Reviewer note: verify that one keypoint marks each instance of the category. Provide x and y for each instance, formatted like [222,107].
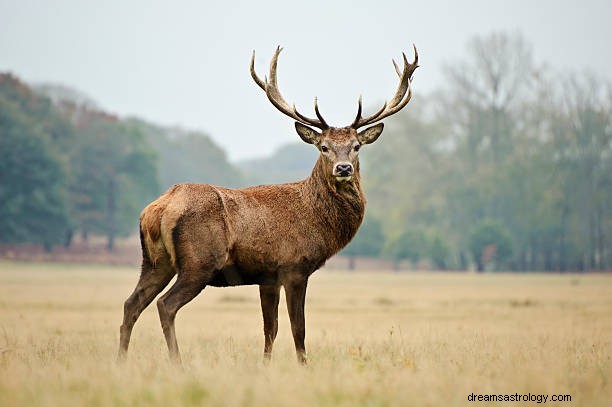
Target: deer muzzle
[343,171]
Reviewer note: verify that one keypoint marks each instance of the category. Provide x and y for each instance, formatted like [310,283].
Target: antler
[398,101]
[274,95]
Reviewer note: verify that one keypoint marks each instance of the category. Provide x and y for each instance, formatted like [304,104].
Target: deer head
[339,146]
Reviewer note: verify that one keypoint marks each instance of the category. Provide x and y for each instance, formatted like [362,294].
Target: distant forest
[68,167]
[508,166]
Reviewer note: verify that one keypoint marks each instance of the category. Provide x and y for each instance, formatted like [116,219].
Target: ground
[373,338]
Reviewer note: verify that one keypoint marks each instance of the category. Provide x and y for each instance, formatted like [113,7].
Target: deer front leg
[295,292]
[269,296]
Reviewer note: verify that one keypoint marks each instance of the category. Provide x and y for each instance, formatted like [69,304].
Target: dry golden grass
[374,339]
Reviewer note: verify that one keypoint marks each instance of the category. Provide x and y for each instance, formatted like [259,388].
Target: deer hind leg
[153,279]
[269,296]
[200,248]
[295,292]
[184,290]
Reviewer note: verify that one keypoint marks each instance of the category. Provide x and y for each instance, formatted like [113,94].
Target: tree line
[508,166]
[69,167]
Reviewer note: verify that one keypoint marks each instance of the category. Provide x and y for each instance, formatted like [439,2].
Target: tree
[115,177]
[410,245]
[287,163]
[187,156]
[367,242]
[33,185]
[490,243]
[582,138]
[403,176]
[485,91]
[438,251]
[501,166]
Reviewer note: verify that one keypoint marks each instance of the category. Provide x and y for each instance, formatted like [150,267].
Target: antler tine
[316,107]
[309,120]
[399,73]
[359,121]
[399,100]
[258,81]
[358,117]
[403,85]
[271,88]
[415,63]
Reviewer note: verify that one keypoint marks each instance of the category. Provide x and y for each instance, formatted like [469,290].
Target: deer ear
[307,134]
[370,134]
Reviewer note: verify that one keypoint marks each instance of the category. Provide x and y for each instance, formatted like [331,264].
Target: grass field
[374,339]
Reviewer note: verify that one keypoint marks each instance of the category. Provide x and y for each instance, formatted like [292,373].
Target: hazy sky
[187,62]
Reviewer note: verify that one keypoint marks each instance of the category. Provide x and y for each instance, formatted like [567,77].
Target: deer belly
[232,275]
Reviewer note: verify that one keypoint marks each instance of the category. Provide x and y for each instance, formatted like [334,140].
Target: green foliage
[489,242]
[369,239]
[185,156]
[438,251]
[69,167]
[33,180]
[288,163]
[115,177]
[417,244]
[501,141]
[402,169]
[527,150]
[410,245]
[92,175]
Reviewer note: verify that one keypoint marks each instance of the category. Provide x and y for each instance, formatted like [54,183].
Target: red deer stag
[271,235]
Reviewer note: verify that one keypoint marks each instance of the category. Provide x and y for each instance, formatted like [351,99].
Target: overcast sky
[186,63]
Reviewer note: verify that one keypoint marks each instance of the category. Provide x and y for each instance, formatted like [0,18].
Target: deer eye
[357,147]
[324,149]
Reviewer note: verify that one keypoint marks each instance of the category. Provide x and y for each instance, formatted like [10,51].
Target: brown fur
[272,235]
[256,232]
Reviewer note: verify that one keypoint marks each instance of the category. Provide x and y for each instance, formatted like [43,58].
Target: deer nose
[344,169]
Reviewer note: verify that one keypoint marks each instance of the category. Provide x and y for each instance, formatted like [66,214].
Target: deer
[272,236]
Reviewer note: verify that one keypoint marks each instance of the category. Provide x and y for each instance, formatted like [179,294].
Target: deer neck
[339,205]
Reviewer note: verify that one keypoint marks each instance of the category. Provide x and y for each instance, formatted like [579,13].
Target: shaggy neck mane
[340,206]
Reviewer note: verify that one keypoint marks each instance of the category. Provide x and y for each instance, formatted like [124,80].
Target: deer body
[271,235]
[249,236]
